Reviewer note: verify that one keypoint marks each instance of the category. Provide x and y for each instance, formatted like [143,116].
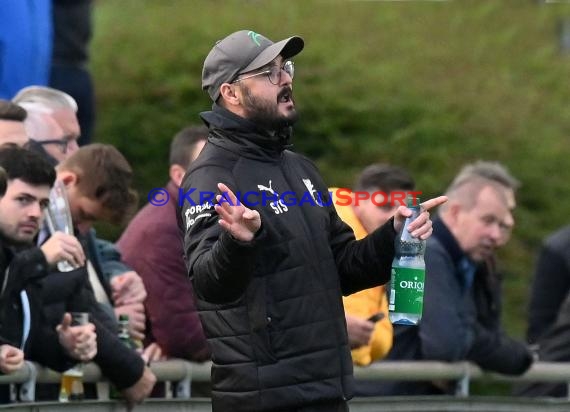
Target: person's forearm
[222,273]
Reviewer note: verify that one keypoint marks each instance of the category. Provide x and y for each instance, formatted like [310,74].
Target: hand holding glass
[58,217]
[71,386]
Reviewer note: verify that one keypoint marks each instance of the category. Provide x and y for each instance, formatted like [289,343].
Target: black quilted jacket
[271,308]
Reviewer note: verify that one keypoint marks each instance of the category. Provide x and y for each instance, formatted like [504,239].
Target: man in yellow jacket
[368,206]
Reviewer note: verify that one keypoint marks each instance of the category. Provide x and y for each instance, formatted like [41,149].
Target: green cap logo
[253,35]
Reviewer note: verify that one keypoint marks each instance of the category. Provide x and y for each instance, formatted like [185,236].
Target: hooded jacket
[271,308]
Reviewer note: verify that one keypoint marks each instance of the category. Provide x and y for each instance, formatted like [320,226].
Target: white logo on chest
[314,194]
[274,199]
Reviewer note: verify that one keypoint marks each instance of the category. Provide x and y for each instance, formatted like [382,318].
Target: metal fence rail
[182,374]
[464,372]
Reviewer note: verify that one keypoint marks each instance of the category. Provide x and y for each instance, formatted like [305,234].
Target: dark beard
[265,114]
[15,244]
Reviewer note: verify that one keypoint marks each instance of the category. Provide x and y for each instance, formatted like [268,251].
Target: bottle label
[407,290]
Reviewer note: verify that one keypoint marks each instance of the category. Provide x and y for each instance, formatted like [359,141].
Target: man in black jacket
[22,266]
[270,267]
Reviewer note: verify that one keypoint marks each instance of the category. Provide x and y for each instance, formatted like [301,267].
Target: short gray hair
[44,99]
[493,171]
[473,177]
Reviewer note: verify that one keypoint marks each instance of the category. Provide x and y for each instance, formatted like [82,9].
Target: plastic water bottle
[406,291]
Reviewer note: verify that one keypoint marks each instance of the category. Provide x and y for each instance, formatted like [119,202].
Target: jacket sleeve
[493,350]
[110,259]
[361,264]
[43,343]
[445,331]
[219,266]
[45,349]
[120,364]
[30,267]
[364,263]
[554,342]
[170,300]
[27,266]
[550,286]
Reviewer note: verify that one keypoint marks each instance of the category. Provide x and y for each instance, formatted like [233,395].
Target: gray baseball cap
[241,52]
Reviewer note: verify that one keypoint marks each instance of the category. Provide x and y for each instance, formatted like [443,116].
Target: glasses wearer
[273,73]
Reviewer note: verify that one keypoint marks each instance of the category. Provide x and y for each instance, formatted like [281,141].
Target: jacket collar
[466,269]
[443,235]
[224,124]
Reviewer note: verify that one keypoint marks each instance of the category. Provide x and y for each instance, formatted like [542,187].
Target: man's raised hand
[241,222]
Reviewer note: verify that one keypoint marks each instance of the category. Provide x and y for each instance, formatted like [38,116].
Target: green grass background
[423,84]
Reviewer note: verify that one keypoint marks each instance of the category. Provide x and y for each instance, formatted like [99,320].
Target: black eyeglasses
[273,73]
[63,143]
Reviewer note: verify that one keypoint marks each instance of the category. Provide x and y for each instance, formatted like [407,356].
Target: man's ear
[230,94]
[67,177]
[453,211]
[176,173]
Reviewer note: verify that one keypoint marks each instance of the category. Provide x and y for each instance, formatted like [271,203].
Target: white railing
[182,373]
[464,372]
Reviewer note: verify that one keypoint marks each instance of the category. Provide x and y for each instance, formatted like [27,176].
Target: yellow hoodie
[366,302]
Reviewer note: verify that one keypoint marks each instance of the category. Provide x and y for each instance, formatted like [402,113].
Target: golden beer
[71,388]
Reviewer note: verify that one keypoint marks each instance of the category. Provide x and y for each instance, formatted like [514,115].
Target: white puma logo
[277,204]
[267,189]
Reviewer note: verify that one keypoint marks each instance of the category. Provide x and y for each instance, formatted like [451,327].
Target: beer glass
[58,217]
[71,388]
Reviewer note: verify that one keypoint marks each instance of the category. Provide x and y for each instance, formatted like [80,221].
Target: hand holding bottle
[137,319]
[421,227]
[406,288]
